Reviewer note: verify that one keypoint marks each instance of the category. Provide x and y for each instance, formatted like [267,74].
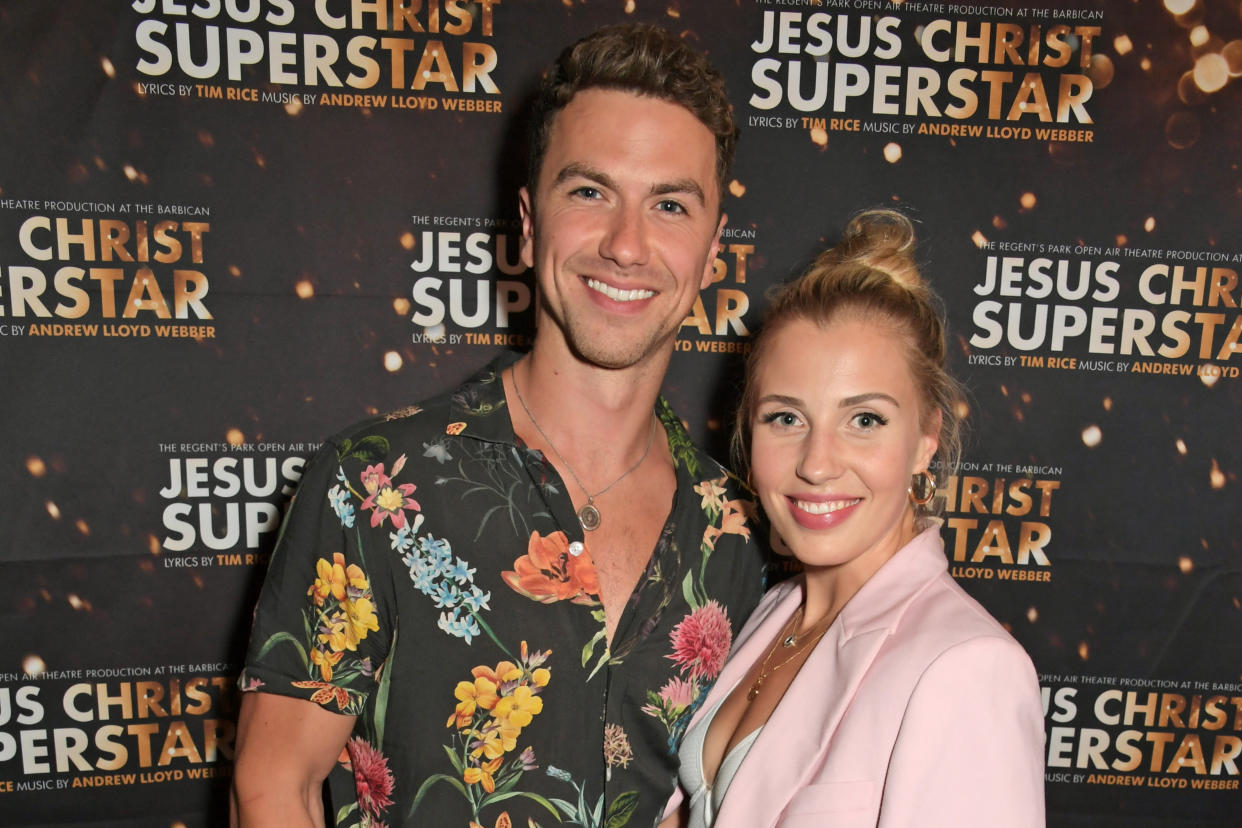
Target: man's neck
[593,416]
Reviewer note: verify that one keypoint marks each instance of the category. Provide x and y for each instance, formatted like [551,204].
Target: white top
[705,799]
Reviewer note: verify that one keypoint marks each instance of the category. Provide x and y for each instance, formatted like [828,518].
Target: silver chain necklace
[588,514]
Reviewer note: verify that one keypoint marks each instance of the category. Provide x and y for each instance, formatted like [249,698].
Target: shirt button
[576,548]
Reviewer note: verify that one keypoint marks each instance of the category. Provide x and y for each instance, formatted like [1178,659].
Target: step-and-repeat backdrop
[230,227]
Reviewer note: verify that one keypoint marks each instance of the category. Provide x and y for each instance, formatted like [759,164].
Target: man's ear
[709,267]
[527,210]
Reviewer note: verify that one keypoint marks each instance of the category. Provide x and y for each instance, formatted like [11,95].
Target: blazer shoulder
[944,616]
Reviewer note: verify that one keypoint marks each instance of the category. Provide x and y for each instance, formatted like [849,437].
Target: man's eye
[670,206]
[585,192]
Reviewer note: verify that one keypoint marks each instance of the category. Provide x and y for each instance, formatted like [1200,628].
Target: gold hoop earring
[922,488]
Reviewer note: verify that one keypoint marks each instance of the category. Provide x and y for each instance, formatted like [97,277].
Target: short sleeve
[321,630]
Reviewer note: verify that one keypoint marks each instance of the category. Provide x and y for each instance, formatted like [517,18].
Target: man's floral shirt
[424,583]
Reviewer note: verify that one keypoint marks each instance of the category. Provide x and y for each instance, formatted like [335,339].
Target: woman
[871,689]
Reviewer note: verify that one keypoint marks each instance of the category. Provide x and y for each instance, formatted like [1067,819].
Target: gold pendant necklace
[588,513]
[808,638]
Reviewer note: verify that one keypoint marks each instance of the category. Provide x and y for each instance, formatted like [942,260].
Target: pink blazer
[915,709]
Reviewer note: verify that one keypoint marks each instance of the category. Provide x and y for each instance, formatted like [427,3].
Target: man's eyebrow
[576,170]
[682,185]
[687,186]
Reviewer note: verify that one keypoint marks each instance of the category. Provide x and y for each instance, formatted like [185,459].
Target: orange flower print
[505,671]
[725,517]
[733,518]
[326,693]
[548,573]
[502,821]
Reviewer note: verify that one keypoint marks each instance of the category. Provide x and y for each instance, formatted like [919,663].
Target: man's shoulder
[450,412]
[414,418]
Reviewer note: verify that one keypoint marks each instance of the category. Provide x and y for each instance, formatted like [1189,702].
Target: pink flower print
[678,693]
[701,641]
[372,778]
[373,478]
[391,502]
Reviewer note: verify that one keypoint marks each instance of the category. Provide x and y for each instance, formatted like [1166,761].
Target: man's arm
[285,749]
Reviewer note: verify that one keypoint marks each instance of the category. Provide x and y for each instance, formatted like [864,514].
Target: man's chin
[613,356]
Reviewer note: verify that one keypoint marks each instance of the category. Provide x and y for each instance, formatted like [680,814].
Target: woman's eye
[869,420]
[782,418]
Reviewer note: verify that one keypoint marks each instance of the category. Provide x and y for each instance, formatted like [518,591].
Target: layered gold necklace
[790,639]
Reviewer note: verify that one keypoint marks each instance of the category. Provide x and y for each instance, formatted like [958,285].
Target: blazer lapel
[791,747]
[789,752]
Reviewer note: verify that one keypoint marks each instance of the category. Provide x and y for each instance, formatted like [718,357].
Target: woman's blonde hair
[871,273]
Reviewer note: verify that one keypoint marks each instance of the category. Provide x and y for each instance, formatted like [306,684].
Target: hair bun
[882,240]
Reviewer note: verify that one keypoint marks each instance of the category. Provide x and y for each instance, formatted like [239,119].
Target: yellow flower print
[361,621]
[519,708]
[483,773]
[332,578]
[356,577]
[495,740]
[492,708]
[472,695]
[390,499]
[325,661]
[336,636]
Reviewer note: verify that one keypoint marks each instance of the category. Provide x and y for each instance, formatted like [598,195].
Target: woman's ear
[929,442]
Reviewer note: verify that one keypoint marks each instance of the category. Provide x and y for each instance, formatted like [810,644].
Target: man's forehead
[585,129]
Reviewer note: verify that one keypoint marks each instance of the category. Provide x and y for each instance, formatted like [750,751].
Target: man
[500,607]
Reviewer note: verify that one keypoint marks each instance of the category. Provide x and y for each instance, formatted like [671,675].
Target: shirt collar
[478,409]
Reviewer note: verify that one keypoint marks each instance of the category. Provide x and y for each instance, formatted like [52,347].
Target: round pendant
[589,517]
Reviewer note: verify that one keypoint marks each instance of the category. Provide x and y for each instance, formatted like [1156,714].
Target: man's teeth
[821,507]
[619,295]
